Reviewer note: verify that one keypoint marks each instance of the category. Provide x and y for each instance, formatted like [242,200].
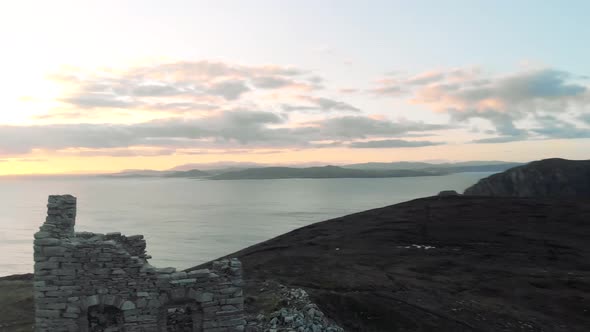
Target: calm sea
[187,222]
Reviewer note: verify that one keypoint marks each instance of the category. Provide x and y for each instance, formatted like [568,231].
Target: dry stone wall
[103,282]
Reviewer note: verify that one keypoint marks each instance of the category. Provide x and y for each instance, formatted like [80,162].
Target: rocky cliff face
[544,178]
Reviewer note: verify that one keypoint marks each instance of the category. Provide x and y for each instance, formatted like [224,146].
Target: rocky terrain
[277,308]
[544,178]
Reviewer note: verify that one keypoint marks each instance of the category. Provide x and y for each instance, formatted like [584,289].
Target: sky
[102,86]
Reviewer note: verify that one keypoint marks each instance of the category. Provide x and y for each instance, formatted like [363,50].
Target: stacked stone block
[76,273]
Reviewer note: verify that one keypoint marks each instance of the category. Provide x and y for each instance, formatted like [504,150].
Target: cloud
[348,90]
[229,90]
[392,143]
[183,106]
[205,105]
[553,127]
[158,85]
[330,104]
[204,69]
[541,85]
[231,129]
[499,139]
[352,127]
[94,100]
[315,79]
[426,78]
[155,90]
[235,126]
[466,89]
[272,82]
[322,104]
[545,127]
[503,122]
[524,96]
[534,90]
[117,152]
[397,84]
[389,88]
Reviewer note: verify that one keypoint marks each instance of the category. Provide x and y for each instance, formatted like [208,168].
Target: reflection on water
[188,222]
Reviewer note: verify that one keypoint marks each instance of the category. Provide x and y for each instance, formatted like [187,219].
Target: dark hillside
[441,264]
[544,178]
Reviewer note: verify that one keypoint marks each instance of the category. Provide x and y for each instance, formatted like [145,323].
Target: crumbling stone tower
[93,282]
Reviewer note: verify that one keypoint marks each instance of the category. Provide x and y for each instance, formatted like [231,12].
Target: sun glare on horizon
[197,85]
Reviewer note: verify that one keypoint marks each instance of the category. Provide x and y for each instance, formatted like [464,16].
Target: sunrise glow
[83,97]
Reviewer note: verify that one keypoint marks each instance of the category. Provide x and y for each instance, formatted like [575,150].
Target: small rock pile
[299,314]
[180,319]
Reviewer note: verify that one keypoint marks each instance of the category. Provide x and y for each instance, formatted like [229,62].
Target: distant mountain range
[364,170]
[193,173]
[469,166]
[324,172]
[137,173]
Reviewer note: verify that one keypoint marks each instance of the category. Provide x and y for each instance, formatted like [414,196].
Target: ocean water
[187,222]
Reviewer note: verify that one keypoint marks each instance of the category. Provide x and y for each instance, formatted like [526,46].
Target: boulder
[446,193]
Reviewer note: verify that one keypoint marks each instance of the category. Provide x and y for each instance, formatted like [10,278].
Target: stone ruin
[93,282]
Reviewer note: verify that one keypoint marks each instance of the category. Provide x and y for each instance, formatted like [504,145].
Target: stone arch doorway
[183,315]
[104,318]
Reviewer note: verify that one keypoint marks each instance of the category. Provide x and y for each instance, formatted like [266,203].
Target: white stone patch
[417,246]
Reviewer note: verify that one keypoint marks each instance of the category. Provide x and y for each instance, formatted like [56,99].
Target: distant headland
[364,170]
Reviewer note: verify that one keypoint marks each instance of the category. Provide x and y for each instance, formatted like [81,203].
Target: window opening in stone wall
[105,318]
